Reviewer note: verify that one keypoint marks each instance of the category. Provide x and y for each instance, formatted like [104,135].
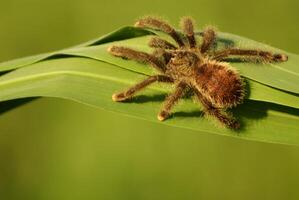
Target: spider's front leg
[218,113]
[264,55]
[156,23]
[139,86]
[142,57]
[171,100]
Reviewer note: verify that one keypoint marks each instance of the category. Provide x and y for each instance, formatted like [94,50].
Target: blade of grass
[92,82]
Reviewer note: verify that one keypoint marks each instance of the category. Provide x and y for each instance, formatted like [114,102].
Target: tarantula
[192,68]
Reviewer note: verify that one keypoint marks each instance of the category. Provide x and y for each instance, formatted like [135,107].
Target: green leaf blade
[90,75]
[92,82]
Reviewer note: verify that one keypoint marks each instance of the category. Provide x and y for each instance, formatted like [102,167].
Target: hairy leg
[139,86]
[171,100]
[187,25]
[161,53]
[156,42]
[265,55]
[209,37]
[128,53]
[219,114]
[155,23]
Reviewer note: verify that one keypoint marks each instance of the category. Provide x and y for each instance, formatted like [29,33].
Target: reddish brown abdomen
[221,85]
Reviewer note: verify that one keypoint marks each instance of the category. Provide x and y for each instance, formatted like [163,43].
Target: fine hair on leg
[171,100]
[209,37]
[156,42]
[142,57]
[187,26]
[218,113]
[156,23]
[139,86]
[264,55]
[162,53]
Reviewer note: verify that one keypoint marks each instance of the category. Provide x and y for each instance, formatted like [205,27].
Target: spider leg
[209,37]
[156,42]
[171,100]
[155,23]
[265,55]
[164,54]
[218,113]
[139,86]
[187,25]
[138,56]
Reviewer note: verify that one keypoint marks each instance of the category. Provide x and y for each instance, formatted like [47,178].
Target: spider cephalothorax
[192,68]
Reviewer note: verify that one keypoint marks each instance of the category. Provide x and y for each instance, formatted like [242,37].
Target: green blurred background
[58,149]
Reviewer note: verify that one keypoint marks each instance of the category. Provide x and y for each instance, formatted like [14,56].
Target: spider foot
[119,97]
[234,124]
[224,118]
[280,57]
[163,115]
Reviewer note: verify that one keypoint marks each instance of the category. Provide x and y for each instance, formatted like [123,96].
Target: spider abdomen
[220,84]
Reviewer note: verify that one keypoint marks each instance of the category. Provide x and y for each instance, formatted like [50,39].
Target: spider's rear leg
[264,55]
[139,86]
[155,23]
[209,38]
[143,57]
[218,113]
[187,25]
[171,100]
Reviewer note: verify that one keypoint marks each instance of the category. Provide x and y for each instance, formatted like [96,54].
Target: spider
[193,69]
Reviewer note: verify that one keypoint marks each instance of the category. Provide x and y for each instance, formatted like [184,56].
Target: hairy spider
[192,68]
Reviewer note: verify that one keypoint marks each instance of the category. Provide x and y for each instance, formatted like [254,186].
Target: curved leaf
[92,82]
[87,77]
